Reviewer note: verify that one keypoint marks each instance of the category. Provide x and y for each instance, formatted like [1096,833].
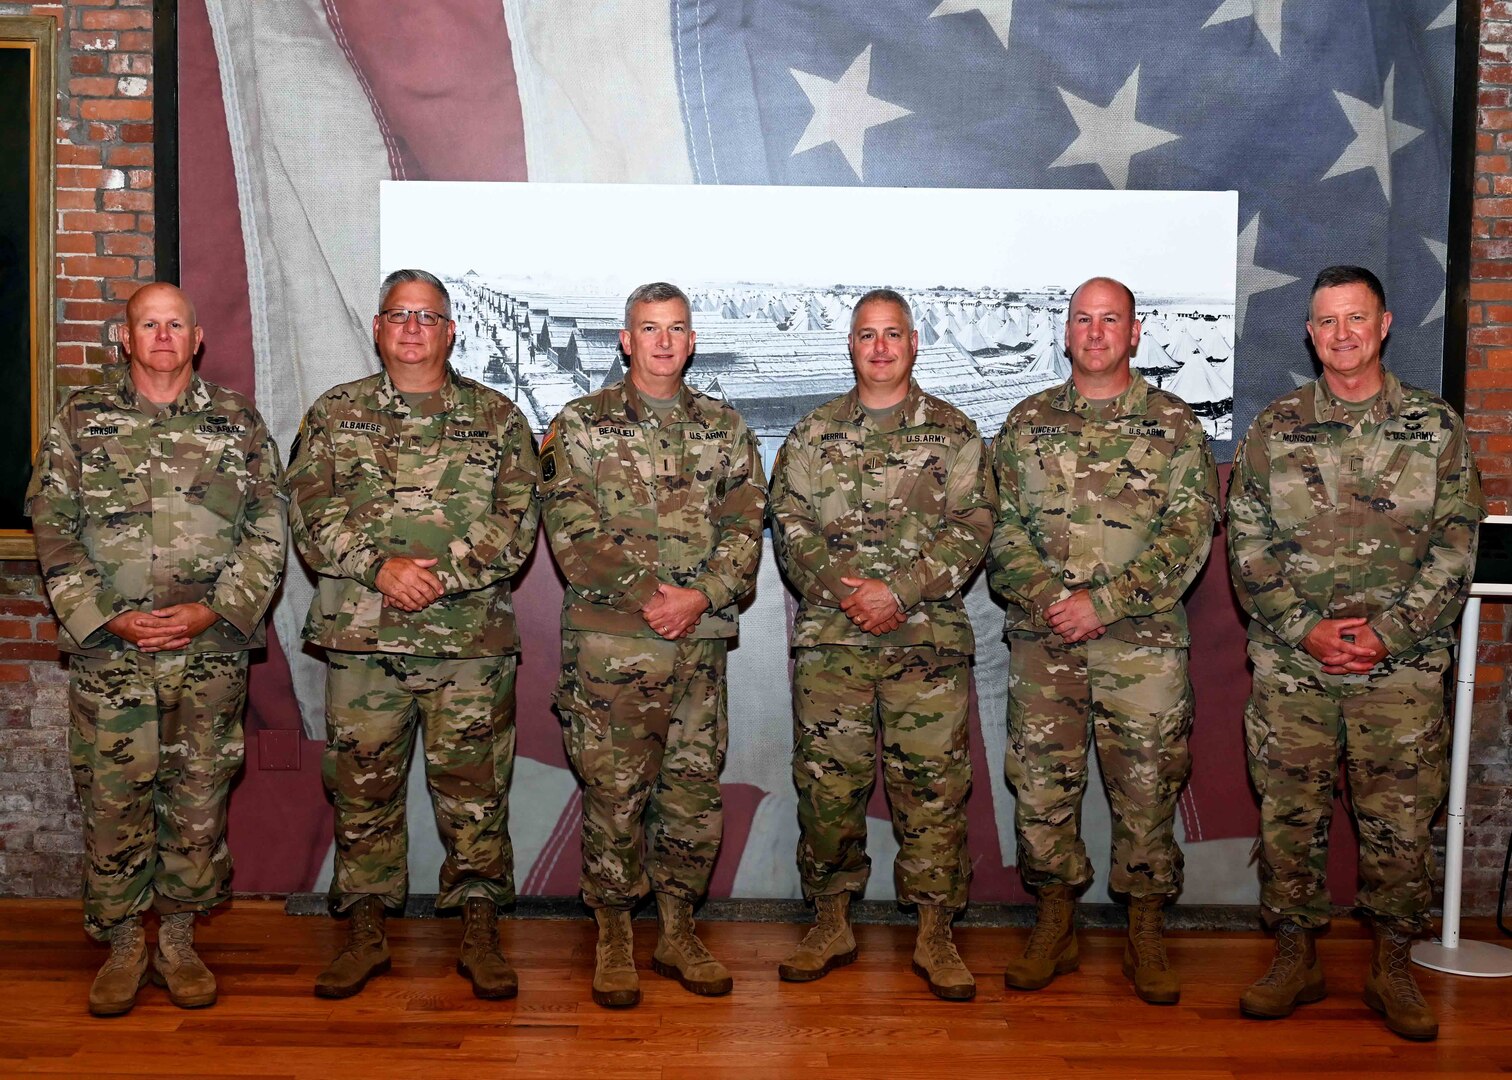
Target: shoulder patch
[549,467]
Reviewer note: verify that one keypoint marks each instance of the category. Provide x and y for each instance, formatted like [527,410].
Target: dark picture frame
[28,119]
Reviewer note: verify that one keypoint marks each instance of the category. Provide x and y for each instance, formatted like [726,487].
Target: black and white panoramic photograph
[539,274]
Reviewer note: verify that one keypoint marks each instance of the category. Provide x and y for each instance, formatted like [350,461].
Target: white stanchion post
[1450,954]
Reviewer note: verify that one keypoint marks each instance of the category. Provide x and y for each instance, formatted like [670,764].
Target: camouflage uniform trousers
[646,727]
[918,698]
[1137,701]
[154,740]
[466,712]
[1391,727]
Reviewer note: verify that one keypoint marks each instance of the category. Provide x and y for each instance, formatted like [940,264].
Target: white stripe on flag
[597,92]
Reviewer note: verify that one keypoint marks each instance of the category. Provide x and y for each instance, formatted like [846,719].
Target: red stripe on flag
[441,82]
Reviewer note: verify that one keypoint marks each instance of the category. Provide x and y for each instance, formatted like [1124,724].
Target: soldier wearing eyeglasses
[413,502]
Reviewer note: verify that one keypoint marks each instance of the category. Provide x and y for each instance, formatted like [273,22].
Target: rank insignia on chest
[549,466]
[360,425]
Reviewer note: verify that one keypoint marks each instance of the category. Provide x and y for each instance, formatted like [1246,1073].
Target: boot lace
[1053,913]
[480,930]
[176,936]
[126,941]
[828,925]
[1399,971]
[682,931]
[1291,954]
[941,949]
[1149,945]
[617,944]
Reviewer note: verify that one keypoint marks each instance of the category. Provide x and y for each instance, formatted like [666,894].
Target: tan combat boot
[1145,963]
[178,967]
[1052,947]
[680,955]
[1295,976]
[615,984]
[365,954]
[124,972]
[481,961]
[829,944]
[1390,990]
[935,959]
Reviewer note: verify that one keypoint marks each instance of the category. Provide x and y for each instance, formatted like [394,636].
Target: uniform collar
[1329,408]
[390,399]
[910,411]
[195,397]
[1132,402]
[685,408]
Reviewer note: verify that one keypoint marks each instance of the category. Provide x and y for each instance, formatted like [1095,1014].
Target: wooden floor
[873,1019]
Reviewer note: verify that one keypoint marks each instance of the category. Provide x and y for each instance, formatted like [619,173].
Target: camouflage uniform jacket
[135,510]
[632,501]
[371,479]
[1122,507]
[910,504]
[1329,519]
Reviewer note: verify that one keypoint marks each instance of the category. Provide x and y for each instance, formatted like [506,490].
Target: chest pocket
[837,485]
[110,483]
[358,465]
[915,480]
[471,472]
[1297,488]
[1140,481]
[1408,487]
[1045,479]
[219,484]
[622,474]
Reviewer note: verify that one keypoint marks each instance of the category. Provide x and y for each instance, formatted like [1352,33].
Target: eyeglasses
[403,315]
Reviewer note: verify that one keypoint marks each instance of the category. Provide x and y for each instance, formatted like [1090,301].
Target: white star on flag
[844,110]
[1253,279]
[1445,18]
[998,13]
[1378,135]
[1266,13]
[1109,137]
[1440,251]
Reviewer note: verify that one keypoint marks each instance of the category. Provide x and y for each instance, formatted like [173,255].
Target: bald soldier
[1106,497]
[160,528]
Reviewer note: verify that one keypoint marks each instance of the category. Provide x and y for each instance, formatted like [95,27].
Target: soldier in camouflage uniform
[160,530]
[653,496]
[414,502]
[1106,497]
[881,510]
[1353,511]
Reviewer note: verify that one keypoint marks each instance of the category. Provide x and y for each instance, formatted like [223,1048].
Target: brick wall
[1488,409]
[104,251]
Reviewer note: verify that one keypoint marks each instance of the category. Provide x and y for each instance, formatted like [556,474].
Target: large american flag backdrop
[1331,120]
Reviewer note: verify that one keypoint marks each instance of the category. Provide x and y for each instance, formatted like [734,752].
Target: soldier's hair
[404,277]
[1128,292]
[877,296]
[1333,276]
[656,292]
